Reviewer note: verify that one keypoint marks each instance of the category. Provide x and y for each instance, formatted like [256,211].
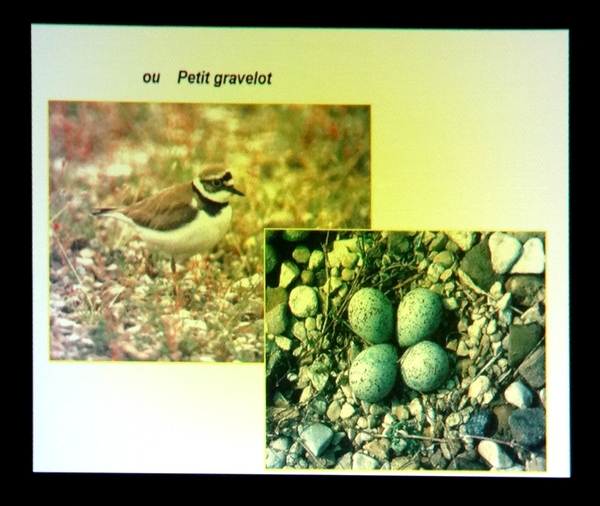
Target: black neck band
[211,207]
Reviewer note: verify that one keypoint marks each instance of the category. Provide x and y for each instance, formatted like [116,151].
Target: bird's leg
[174,269]
[149,264]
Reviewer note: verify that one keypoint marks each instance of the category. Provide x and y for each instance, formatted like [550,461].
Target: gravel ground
[489,411]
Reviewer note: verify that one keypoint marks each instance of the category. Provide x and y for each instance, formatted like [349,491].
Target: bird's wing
[166,210]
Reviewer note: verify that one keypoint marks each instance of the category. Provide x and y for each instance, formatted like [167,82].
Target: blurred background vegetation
[301,166]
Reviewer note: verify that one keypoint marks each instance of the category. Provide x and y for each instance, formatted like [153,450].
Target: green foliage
[400,443]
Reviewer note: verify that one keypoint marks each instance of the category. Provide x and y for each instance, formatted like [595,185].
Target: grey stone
[345,462]
[477,265]
[482,423]
[275,459]
[522,339]
[437,288]
[363,437]
[526,289]
[505,317]
[533,369]
[319,406]
[363,461]
[449,286]
[281,444]
[494,455]
[518,395]
[528,426]
[316,437]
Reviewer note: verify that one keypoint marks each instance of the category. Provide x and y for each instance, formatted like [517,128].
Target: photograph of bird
[183,220]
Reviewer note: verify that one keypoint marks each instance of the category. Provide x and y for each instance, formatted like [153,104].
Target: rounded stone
[303,302]
[482,423]
[373,372]
[316,260]
[307,277]
[446,258]
[504,250]
[371,315]
[532,260]
[301,254]
[518,395]
[528,426]
[424,366]
[419,316]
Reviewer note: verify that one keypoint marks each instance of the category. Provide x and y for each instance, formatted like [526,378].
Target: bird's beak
[233,189]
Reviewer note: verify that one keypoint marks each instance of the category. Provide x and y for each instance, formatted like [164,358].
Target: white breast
[198,236]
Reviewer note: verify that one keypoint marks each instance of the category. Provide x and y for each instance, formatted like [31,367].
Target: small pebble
[479,387]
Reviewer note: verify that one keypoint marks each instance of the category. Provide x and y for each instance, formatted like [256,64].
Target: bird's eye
[218,183]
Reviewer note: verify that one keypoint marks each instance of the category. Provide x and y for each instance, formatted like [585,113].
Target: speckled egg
[373,372]
[424,366]
[371,315]
[419,316]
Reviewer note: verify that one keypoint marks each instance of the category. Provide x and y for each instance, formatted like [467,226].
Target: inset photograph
[405,351]
[157,212]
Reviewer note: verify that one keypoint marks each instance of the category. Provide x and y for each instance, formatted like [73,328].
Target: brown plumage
[185,219]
